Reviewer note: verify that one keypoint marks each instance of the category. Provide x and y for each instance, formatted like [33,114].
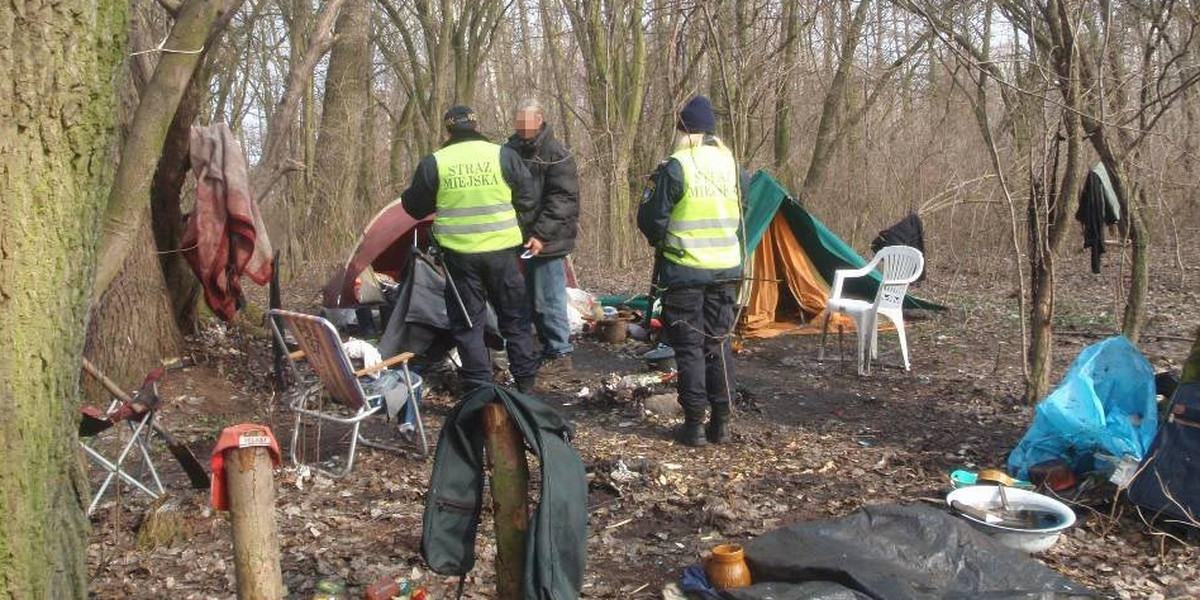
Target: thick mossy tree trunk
[57,64]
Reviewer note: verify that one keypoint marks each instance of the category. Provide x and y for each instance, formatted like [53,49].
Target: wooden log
[510,498]
[251,488]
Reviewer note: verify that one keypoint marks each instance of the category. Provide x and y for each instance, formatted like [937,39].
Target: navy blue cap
[460,118]
[697,116]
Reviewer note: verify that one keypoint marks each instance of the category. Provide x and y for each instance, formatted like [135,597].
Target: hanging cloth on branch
[225,237]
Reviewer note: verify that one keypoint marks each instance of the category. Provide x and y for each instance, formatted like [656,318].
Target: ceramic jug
[726,567]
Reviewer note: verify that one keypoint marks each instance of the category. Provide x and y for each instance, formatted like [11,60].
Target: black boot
[527,385]
[717,430]
[691,433]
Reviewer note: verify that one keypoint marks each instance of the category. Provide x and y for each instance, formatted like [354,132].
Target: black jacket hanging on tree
[1094,213]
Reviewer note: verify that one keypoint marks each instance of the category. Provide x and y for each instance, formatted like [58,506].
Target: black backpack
[1168,481]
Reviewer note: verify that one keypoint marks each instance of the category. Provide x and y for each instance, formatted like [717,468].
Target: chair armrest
[399,358]
[841,275]
[852,273]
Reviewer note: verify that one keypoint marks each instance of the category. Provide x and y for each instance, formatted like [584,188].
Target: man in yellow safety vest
[483,197]
[691,213]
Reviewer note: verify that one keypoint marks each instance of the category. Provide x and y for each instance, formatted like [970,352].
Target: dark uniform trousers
[480,278]
[698,320]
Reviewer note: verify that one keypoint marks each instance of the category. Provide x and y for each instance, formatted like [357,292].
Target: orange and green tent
[793,257]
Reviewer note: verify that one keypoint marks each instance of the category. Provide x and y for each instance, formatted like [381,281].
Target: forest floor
[812,440]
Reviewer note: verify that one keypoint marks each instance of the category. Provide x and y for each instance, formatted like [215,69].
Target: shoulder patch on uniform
[648,192]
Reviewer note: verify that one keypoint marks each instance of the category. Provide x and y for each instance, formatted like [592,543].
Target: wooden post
[251,487]
[510,499]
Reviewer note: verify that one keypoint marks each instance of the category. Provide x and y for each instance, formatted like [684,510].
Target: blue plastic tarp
[1105,404]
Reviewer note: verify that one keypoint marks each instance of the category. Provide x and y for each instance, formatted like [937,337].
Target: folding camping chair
[138,412]
[321,347]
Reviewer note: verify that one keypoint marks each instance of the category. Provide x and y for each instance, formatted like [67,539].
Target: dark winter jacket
[908,232]
[664,190]
[420,199]
[1095,211]
[556,542]
[555,178]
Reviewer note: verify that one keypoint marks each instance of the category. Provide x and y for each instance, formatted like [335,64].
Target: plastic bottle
[394,587]
[330,589]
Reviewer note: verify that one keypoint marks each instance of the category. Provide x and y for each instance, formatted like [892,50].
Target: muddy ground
[813,440]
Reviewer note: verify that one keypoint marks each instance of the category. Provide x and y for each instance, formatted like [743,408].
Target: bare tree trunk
[784,155]
[133,325]
[832,105]
[127,212]
[57,64]
[616,74]
[444,44]
[166,215]
[1050,208]
[562,87]
[324,223]
[837,120]
[274,161]
[1139,274]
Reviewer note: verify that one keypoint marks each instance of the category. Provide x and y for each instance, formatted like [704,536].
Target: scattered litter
[304,473]
[637,380]
[622,473]
[619,523]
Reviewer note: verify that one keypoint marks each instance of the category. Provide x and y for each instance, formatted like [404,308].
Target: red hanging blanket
[225,237]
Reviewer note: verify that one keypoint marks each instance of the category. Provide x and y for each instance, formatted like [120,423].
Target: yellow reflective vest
[474,203]
[702,231]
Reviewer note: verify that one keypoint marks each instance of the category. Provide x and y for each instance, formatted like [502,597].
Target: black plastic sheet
[894,552]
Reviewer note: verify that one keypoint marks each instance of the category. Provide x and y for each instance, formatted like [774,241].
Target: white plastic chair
[899,266]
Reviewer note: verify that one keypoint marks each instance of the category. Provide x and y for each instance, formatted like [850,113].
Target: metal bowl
[985,498]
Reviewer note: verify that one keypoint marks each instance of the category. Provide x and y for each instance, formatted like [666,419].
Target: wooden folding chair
[321,347]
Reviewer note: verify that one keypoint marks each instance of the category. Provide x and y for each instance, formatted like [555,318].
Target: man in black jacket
[484,199]
[554,223]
